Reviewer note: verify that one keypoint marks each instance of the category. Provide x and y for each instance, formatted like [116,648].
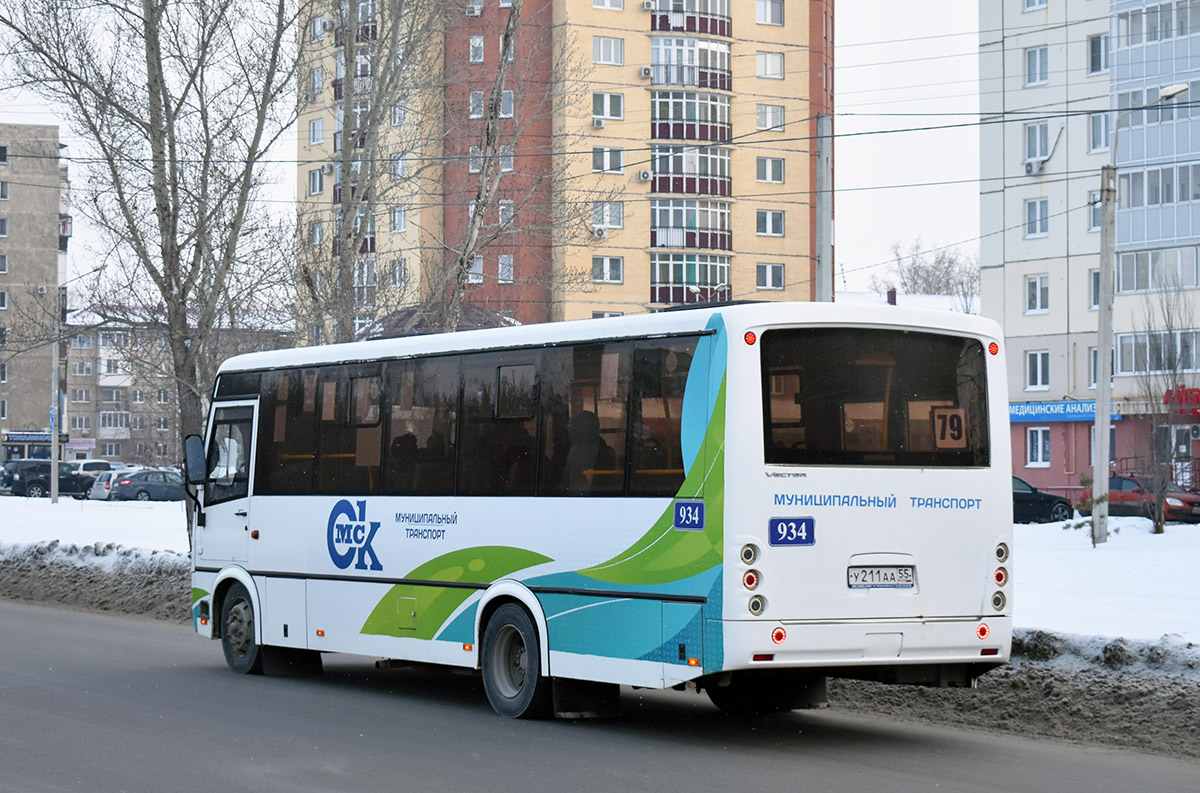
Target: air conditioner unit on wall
[644,176]
[647,5]
[327,168]
[598,123]
[1033,167]
[328,25]
[600,233]
[646,71]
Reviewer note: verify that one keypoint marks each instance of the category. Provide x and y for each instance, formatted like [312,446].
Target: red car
[1134,495]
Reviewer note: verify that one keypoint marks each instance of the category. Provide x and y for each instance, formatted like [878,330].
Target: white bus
[744,500]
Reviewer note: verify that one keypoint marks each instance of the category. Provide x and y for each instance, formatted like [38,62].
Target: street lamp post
[1101,444]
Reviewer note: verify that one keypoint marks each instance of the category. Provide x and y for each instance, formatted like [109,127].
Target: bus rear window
[859,396]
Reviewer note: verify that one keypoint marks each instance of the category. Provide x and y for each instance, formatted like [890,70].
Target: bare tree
[1165,348]
[179,103]
[942,271]
[478,163]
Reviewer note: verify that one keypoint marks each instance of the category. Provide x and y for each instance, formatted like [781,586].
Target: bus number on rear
[792,531]
[689,516]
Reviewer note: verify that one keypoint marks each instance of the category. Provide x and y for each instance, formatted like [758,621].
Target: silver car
[102,487]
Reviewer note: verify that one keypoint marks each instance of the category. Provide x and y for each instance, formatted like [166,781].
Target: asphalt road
[97,703]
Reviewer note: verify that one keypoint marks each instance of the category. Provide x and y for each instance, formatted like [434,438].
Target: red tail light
[108,485]
[124,482]
[983,631]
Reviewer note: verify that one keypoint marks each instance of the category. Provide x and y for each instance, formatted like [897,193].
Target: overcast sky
[903,58]
[891,58]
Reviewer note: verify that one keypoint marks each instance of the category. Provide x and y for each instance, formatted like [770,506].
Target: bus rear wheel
[512,673]
[242,653]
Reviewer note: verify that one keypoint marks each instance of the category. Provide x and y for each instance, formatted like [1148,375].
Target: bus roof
[640,325]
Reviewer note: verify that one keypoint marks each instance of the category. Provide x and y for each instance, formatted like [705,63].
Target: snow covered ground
[1139,586]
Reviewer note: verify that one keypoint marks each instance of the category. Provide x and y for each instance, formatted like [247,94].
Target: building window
[615,5]
[608,269]
[768,12]
[1037,294]
[1093,289]
[1037,370]
[139,396]
[1145,353]
[1093,366]
[1097,53]
[475,160]
[1037,447]
[476,47]
[1033,5]
[769,117]
[399,219]
[475,274]
[315,334]
[316,80]
[608,106]
[504,273]
[769,169]
[82,423]
[399,113]
[606,160]
[506,157]
[608,214]
[316,230]
[3,408]
[1112,444]
[1095,211]
[769,275]
[3,227]
[399,166]
[3,263]
[769,223]
[506,104]
[608,50]
[81,395]
[3,373]
[163,397]
[3,191]
[1037,217]
[162,423]
[1098,132]
[1037,141]
[505,213]
[475,109]
[398,272]
[1168,268]
[316,182]
[316,29]
[110,449]
[3,300]
[770,65]
[316,131]
[81,368]
[1037,66]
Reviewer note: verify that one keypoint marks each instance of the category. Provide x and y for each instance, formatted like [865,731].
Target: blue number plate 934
[792,531]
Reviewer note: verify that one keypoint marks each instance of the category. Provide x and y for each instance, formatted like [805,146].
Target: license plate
[898,577]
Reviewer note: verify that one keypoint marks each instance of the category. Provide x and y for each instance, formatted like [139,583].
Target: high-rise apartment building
[35,224]
[1066,86]
[650,154]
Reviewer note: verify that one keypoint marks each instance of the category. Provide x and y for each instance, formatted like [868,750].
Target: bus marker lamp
[990,651]
[757,605]
[763,657]
[998,601]
[750,337]
[320,633]
[749,553]
[779,635]
[693,662]
[1001,553]
[994,348]
[468,647]
[983,631]
[750,579]
[1000,576]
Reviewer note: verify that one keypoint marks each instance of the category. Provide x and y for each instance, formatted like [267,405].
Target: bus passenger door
[225,535]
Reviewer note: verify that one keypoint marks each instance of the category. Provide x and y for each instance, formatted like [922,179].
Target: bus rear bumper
[860,643]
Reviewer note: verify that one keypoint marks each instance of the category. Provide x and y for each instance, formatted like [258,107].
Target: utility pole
[1104,347]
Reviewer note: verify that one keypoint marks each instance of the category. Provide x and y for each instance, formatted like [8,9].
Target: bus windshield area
[859,396]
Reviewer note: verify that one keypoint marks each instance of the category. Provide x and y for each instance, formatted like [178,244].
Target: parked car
[32,478]
[102,487]
[1133,494]
[89,467]
[148,485]
[1031,505]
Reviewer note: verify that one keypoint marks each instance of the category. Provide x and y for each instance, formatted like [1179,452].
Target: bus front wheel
[242,653]
[512,673]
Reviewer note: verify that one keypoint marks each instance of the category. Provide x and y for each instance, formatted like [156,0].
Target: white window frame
[768,12]
[608,269]
[316,182]
[504,268]
[316,29]
[1037,370]
[399,113]
[475,274]
[475,105]
[506,104]
[769,222]
[769,65]
[316,232]
[770,117]
[608,51]
[1037,301]
[1095,211]
[475,48]
[768,276]
[316,131]
[1098,131]
[612,5]
[1037,447]
[1039,225]
[610,159]
[608,214]
[399,220]
[766,166]
[1093,289]
[398,272]
[606,100]
[1037,141]
[1037,66]
[474,159]
[1103,41]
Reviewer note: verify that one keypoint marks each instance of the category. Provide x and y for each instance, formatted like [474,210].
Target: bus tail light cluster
[752,578]
[1000,578]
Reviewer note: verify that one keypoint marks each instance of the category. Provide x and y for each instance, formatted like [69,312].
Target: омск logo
[350,535]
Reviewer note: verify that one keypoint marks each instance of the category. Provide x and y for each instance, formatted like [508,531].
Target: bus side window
[229,455]
[421,406]
[348,432]
[287,433]
[660,370]
[499,425]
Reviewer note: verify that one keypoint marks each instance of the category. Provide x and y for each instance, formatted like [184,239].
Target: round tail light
[757,605]
[983,631]
[779,635]
[750,338]
[751,579]
[1000,576]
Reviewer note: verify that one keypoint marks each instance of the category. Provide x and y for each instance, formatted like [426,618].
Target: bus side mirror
[193,460]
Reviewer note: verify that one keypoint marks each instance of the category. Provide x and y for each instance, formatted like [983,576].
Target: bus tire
[242,653]
[512,667]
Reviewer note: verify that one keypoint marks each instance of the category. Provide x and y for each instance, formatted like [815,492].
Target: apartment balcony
[368,245]
[691,184]
[368,31]
[339,89]
[680,294]
[710,132]
[114,380]
[691,22]
[707,239]
[691,76]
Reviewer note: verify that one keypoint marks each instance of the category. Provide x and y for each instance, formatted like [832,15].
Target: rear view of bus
[868,515]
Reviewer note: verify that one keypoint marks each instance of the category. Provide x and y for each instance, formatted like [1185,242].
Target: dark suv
[32,478]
